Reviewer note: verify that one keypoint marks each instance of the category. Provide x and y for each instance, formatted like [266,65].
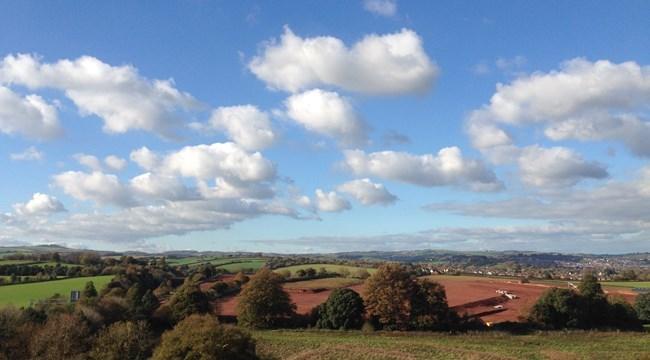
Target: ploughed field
[475,296]
[343,345]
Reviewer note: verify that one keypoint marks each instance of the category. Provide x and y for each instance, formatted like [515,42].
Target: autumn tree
[202,337]
[124,340]
[188,300]
[63,337]
[263,303]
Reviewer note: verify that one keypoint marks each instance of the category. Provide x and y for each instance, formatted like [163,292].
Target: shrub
[263,303]
[642,306]
[202,337]
[343,309]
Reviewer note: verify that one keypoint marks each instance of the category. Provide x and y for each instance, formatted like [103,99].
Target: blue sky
[303,126]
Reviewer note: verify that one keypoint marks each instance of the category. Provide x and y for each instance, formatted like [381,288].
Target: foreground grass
[325,345]
[23,294]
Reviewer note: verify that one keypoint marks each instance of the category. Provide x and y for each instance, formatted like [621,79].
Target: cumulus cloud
[30,116]
[30,154]
[145,158]
[115,163]
[38,205]
[330,201]
[367,192]
[246,125]
[448,167]
[386,8]
[104,189]
[89,161]
[378,64]
[119,95]
[157,186]
[556,167]
[327,113]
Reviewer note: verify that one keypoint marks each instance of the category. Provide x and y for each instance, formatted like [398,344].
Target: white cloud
[225,160]
[386,8]
[145,158]
[118,94]
[330,201]
[327,113]
[30,154]
[448,167]
[104,189]
[39,204]
[89,161]
[626,128]
[556,167]
[378,64]
[115,163]
[29,116]
[246,125]
[367,192]
[157,186]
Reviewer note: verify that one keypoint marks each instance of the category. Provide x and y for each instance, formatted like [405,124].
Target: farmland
[23,294]
[230,264]
[628,284]
[326,345]
[327,283]
[328,267]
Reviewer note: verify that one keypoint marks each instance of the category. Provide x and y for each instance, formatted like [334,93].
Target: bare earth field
[465,294]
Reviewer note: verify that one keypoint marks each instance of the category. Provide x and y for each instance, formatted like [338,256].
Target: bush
[343,309]
[263,303]
[124,340]
[202,337]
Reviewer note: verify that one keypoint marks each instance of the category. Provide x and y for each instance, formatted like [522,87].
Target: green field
[16,262]
[327,283]
[23,294]
[328,267]
[628,284]
[232,264]
[325,345]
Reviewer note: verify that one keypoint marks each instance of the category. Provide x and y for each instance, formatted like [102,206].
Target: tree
[241,278]
[89,291]
[188,300]
[15,333]
[361,274]
[429,307]
[263,303]
[594,303]
[62,337]
[642,306]
[343,309]
[389,293]
[558,309]
[124,340]
[201,337]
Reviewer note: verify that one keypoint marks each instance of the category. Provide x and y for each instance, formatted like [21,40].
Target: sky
[326,126]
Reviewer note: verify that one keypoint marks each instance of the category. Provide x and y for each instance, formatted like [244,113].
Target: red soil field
[474,296]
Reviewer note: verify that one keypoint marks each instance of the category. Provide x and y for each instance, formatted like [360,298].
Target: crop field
[628,284]
[243,264]
[334,345]
[327,283]
[328,267]
[23,294]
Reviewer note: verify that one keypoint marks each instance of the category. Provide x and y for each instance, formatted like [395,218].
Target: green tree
[89,291]
[188,300]
[558,309]
[344,309]
[202,337]
[642,306]
[429,307]
[263,303]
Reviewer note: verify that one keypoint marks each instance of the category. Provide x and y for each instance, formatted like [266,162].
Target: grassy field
[23,294]
[628,284]
[328,267]
[328,283]
[229,263]
[323,345]
[16,262]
